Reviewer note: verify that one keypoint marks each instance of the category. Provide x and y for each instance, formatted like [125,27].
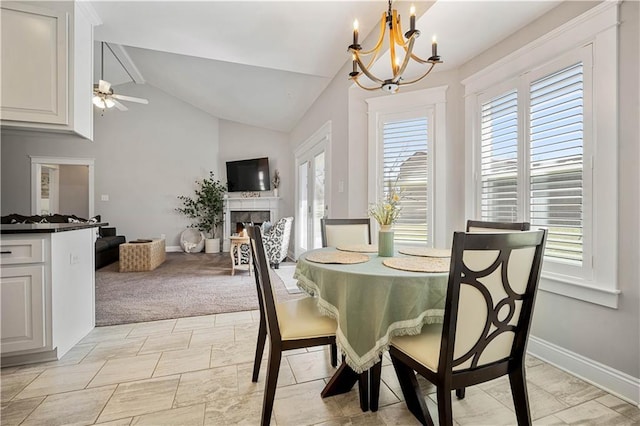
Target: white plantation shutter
[555,160]
[406,166]
[499,158]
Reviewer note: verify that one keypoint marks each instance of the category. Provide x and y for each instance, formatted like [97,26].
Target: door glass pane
[302,204]
[318,198]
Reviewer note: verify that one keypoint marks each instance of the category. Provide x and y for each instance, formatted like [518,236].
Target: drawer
[14,252]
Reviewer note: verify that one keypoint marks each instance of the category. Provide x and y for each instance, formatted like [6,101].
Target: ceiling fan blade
[119,105]
[104,86]
[131,99]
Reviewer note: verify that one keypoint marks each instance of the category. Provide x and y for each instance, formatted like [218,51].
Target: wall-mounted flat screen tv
[248,175]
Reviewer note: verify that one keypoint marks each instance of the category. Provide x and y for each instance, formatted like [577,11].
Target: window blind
[405,166]
[556,163]
[499,158]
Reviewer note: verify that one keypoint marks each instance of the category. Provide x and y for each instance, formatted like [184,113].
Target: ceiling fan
[103,95]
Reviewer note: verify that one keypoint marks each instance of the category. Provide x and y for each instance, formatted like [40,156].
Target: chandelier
[391,21]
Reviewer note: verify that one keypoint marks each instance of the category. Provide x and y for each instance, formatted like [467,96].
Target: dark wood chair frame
[507,226]
[269,326]
[445,378]
[325,221]
[514,226]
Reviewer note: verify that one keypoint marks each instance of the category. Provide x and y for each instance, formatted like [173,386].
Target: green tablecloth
[372,303]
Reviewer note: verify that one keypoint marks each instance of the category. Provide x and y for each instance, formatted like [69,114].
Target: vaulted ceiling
[264,63]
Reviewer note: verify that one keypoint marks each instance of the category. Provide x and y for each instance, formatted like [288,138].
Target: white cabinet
[47,67]
[48,296]
[23,301]
[22,289]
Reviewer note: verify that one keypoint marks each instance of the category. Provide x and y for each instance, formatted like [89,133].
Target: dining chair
[289,325]
[493,279]
[482,226]
[337,232]
[492,227]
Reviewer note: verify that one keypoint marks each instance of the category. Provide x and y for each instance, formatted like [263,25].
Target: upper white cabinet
[47,67]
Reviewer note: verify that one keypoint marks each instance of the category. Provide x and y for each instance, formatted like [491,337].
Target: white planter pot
[212,245]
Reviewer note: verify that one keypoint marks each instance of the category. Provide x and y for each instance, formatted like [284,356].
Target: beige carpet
[187,284]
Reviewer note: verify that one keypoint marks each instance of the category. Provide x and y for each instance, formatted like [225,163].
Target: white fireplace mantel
[270,204]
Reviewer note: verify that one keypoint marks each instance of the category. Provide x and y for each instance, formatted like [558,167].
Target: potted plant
[205,207]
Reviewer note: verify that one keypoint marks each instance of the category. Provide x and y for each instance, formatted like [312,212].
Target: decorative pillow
[266,227]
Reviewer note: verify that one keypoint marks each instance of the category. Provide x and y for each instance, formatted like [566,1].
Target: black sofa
[107,244]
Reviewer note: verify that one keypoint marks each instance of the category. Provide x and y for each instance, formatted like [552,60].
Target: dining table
[371,302]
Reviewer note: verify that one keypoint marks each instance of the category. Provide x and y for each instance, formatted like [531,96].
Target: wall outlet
[104,197]
[163,236]
[74,259]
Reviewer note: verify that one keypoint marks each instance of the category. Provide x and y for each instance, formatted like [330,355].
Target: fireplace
[237,219]
[238,211]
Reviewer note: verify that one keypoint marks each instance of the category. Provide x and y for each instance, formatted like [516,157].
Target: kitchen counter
[39,228]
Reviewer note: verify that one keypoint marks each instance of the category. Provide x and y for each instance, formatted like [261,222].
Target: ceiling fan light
[109,103]
[97,101]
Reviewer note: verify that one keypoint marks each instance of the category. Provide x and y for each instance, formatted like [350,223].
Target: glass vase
[385,241]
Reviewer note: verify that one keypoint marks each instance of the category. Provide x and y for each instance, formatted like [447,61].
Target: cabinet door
[22,291]
[34,64]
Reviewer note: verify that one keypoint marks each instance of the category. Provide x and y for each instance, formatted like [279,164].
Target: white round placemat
[425,251]
[341,257]
[359,248]
[418,264]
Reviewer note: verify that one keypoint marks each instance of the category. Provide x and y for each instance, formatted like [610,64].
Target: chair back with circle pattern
[493,281]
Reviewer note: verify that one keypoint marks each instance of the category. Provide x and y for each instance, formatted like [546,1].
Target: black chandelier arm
[433,64]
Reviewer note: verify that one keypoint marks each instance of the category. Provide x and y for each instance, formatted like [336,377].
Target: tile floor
[197,371]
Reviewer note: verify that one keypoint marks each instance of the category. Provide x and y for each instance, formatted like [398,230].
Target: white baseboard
[616,382]
[172,249]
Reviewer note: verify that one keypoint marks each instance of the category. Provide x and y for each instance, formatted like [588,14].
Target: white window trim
[431,102]
[598,27]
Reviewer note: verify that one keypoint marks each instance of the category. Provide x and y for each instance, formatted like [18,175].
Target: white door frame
[36,171]
[316,143]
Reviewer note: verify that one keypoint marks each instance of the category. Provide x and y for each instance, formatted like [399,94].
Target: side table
[236,243]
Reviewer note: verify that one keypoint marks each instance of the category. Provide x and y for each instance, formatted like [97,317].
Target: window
[553,167]
[541,149]
[407,137]
[405,166]
[556,141]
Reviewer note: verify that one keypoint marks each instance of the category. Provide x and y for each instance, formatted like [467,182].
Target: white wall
[607,336]
[242,142]
[144,159]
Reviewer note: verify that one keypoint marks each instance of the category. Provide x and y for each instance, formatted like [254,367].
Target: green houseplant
[206,206]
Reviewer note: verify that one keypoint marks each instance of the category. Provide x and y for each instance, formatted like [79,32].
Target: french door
[311,204]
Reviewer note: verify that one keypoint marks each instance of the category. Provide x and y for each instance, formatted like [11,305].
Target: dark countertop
[46,228]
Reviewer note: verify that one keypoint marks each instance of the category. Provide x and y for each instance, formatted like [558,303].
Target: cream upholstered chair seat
[301,319]
[423,347]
